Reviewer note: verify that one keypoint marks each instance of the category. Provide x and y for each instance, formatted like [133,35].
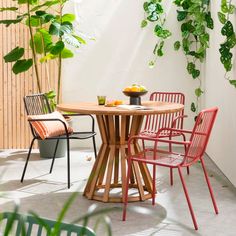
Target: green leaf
[153,17]
[14,54]
[12,21]
[66,53]
[49,56]
[8,9]
[34,21]
[22,66]
[193,107]
[57,48]
[198,92]
[233,82]
[161,33]
[38,43]
[54,28]
[195,73]
[231,9]
[144,23]
[190,67]
[222,18]
[60,29]
[228,66]
[51,94]
[227,29]
[31,2]
[66,27]
[151,64]
[44,16]
[181,15]
[209,20]
[47,39]
[231,41]
[70,39]
[145,6]
[177,45]
[46,4]
[79,39]
[68,17]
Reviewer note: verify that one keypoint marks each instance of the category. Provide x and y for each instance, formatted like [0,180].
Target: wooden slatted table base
[116,126]
[111,165]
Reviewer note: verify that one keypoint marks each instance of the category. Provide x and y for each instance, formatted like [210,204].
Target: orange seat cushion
[48,129]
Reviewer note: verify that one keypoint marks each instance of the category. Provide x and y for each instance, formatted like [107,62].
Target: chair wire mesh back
[155,122]
[37,104]
[200,135]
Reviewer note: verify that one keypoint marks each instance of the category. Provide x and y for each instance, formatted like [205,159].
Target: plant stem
[33,50]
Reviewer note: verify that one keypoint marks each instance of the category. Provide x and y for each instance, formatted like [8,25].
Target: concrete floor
[46,193]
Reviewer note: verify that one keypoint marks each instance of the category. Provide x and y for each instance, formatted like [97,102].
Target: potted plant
[52,37]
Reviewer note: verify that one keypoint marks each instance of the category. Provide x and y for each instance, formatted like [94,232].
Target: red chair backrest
[155,122]
[200,134]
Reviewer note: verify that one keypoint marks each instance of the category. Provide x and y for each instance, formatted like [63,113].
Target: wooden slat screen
[14,129]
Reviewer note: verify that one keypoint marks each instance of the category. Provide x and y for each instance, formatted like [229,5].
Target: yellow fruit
[142,88]
[135,89]
[127,89]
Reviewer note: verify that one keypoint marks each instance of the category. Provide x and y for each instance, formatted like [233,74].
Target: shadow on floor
[49,206]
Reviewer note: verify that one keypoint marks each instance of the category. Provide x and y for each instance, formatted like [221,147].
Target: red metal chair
[194,151]
[172,120]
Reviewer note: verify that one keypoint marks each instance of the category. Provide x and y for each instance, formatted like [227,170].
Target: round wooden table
[116,125]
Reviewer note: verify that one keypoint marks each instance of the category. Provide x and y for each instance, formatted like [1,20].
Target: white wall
[119,57]
[222,147]
[120,54]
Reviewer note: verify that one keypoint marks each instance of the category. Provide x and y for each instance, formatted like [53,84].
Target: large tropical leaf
[66,53]
[38,43]
[22,66]
[68,17]
[11,21]
[57,48]
[60,29]
[70,39]
[14,54]
[47,39]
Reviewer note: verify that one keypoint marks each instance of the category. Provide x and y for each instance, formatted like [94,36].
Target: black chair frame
[38,104]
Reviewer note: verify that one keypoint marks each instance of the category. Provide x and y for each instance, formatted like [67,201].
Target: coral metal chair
[38,104]
[194,151]
[172,120]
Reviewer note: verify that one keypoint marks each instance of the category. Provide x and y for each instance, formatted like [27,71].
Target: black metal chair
[38,104]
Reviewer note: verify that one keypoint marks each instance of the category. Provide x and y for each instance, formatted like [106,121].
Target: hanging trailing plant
[196,19]
[226,48]
[154,13]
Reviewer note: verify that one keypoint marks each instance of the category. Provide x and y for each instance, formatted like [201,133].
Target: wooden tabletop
[93,108]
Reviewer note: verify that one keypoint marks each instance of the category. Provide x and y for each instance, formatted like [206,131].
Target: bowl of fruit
[135,92]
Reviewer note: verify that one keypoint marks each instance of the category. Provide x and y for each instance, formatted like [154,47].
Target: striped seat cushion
[48,129]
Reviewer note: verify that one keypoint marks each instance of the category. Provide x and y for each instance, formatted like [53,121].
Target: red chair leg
[154,185]
[209,187]
[126,189]
[188,199]
[171,176]
[188,170]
